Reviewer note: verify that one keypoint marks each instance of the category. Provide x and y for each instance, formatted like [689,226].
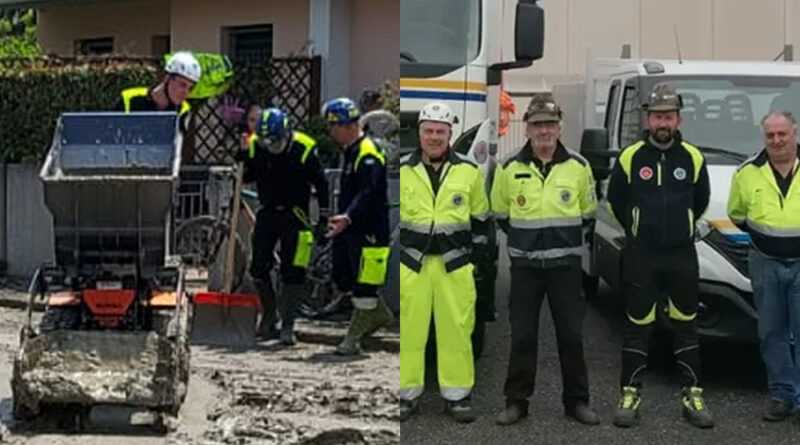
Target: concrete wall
[132,24]
[374,43]
[197,24]
[29,224]
[707,29]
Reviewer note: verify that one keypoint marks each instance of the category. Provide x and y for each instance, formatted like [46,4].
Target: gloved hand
[230,111]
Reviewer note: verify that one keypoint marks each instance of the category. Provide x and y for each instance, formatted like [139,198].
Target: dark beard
[663,135]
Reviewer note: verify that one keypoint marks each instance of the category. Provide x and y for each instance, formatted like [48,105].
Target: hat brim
[663,108]
[542,117]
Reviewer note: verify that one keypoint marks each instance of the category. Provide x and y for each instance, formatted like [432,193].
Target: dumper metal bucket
[109,181]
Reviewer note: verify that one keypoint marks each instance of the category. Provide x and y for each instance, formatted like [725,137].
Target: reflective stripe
[368,148]
[413,253]
[676,314]
[454,394]
[130,93]
[482,216]
[415,227]
[589,215]
[545,222]
[545,254]
[773,231]
[307,142]
[445,229]
[454,254]
[364,303]
[500,215]
[648,319]
[411,393]
[480,239]
[449,229]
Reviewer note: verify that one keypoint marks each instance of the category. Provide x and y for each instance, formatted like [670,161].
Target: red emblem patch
[521,200]
[646,173]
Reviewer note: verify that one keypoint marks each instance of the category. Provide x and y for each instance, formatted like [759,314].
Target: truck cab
[724,103]
[451,51]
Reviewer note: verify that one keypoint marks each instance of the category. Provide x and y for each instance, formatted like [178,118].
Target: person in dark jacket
[658,189]
[361,227]
[284,165]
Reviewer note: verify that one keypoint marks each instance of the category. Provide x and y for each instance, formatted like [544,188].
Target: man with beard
[659,187]
[543,198]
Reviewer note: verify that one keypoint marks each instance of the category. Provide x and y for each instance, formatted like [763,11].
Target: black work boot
[694,408]
[291,295]
[581,412]
[778,410]
[460,410]
[513,412]
[266,326]
[408,408]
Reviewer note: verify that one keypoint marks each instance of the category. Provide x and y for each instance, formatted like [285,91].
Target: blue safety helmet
[272,126]
[340,111]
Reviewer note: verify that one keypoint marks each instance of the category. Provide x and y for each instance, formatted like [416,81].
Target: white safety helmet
[184,64]
[436,112]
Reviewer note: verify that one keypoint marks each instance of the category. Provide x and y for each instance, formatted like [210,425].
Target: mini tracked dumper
[115,327]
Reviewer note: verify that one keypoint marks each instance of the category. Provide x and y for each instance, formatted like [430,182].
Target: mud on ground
[267,394]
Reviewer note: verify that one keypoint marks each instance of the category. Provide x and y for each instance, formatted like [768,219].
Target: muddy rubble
[259,409]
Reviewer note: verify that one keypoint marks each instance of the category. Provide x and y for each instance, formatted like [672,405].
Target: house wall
[132,24]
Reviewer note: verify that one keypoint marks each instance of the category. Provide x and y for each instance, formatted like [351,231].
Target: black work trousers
[562,287]
[654,278]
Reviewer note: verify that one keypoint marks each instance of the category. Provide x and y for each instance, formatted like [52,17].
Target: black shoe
[778,410]
[408,408]
[583,414]
[512,414]
[460,410]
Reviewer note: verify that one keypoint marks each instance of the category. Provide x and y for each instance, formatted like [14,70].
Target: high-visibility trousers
[450,297]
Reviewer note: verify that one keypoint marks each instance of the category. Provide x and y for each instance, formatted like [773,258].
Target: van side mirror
[529,31]
[594,147]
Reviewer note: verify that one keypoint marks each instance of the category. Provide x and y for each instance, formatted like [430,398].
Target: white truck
[723,105]
[452,51]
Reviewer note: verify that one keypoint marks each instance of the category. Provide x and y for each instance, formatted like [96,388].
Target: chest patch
[679,174]
[646,173]
[521,200]
[565,196]
[458,199]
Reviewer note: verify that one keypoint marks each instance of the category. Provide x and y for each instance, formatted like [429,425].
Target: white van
[723,106]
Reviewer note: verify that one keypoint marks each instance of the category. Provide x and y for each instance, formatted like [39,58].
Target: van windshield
[725,113]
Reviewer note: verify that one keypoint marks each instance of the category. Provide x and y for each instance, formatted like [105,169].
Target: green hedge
[32,98]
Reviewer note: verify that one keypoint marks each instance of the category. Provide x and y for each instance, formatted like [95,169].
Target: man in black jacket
[361,227]
[659,187]
[284,165]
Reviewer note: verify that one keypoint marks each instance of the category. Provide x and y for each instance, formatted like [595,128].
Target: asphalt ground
[734,390]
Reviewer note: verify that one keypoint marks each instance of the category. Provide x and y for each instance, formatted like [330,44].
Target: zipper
[446,168]
[663,201]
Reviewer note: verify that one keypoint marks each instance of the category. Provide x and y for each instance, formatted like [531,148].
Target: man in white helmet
[443,232]
[182,72]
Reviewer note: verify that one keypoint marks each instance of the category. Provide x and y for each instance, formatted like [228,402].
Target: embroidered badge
[521,200]
[646,173]
[565,196]
[679,174]
[458,200]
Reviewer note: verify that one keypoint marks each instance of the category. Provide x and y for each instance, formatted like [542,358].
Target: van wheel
[591,286]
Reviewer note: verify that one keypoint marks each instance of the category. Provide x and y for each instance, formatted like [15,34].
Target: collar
[560,155]
[415,157]
[676,141]
[762,157]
